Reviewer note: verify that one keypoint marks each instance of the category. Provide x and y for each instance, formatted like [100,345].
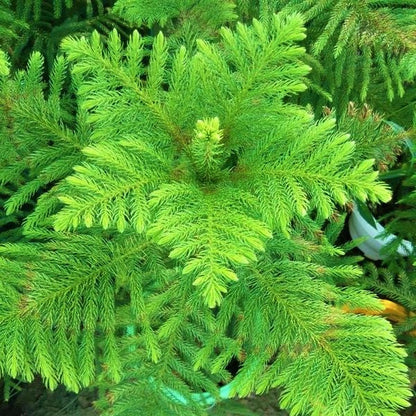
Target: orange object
[392,311]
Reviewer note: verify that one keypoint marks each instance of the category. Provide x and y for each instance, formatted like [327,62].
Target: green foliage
[401,220]
[360,46]
[56,7]
[206,150]
[374,138]
[8,223]
[40,25]
[270,183]
[173,204]
[149,13]
[10,27]
[35,320]
[4,64]
[42,138]
[395,279]
[185,21]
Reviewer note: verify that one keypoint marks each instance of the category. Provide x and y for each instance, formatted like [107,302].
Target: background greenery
[103,229]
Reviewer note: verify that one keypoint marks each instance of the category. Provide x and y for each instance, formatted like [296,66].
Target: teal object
[204,399]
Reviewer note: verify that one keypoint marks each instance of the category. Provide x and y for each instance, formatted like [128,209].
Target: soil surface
[35,400]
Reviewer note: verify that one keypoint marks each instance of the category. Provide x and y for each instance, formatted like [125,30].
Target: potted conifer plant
[178,192]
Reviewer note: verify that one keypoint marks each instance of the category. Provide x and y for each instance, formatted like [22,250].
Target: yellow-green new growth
[207,149]
[4,64]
